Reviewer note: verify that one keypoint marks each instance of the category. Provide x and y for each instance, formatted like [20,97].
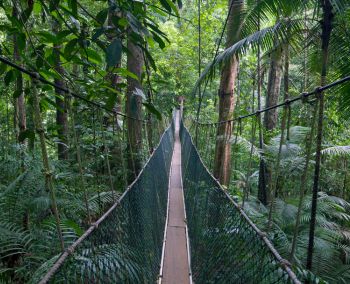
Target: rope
[303,181]
[68,97]
[250,161]
[131,153]
[95,156]
[37,76]
[239,122]
[121,154]
[39,128]
[274,189]
[106,153]
[289,118]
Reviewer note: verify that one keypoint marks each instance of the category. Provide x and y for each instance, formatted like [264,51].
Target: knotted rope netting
[225,246]
[125,244]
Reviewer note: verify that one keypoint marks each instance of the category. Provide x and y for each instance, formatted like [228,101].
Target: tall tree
[227,95]
[327,25]
[61,117]
[133,108]
[115,78]
[272,98]
[19,103]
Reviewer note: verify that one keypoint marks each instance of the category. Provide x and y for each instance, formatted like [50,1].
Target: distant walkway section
[176,268]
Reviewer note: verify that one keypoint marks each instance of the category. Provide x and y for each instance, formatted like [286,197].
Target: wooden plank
[176,269]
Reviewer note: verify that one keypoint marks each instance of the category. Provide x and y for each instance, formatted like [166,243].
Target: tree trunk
[134,127]
[18,85]
[272,98]
[115,78]
[222,158]
[327,26]
[61,117]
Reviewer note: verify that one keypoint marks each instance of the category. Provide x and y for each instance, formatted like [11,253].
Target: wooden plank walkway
[176,268]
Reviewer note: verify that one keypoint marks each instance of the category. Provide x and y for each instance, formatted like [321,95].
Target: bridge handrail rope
[303,96]
[95,225]
[284,264]
[32,74]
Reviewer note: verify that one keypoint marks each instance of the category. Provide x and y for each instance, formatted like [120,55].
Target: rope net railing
[99,170]
[225,246]
[125,244]
[248,171]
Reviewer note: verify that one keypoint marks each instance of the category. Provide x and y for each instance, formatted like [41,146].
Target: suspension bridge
[174,223]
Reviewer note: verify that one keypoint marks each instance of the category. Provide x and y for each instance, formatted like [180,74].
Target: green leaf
[115,20]
[114,52]
[171,4]
[74,6]
[39,62]
[17,94]
[25,15]
[91,54]
[37,7]
[136,37]
[137,23]
[71,224]
[158,11]
[97,34]
[125,72]
[49,73]
[70,47]
[9,78]
[51,102]
[166,5]
[153,110]
[26,134]
[111,89]
[15,22]
[150,41]
[112,99]
[48,36]
[122,22]
[159,41]
[54,128]
[150,59]
[21,41]
[3,68]
[61,35]
[127,51]
[133,105]
[102,15]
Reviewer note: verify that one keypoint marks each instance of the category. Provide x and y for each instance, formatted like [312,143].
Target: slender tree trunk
[18,84]
[272,98]
[115,78]
[61,117]
[327,26]
[222,158]
[134,127]
[262,192]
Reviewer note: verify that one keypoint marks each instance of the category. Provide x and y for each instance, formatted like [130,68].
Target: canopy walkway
[127,244]
[174,223]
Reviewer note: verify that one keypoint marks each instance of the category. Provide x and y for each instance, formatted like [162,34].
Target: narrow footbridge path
[147,236]
[176,266]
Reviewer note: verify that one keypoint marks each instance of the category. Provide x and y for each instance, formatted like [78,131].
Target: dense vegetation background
[141,58]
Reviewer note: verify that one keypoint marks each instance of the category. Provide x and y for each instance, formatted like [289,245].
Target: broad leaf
[70,47]
[125,72]
[114,52]
[26,134]
[153,110]
[133,105]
